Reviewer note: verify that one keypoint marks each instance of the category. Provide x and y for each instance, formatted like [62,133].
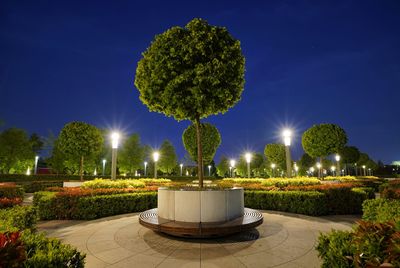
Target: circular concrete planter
[200,206]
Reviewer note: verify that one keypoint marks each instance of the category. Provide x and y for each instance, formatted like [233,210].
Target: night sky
[307,62]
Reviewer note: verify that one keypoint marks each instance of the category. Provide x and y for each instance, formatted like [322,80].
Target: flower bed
[100,183]
[290,182]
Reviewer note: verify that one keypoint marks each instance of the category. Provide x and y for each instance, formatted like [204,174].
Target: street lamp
[145,168]
[181,165]
[156,156]
[296,169]
[364,170]
[273,166]
[114,145]
[248,160]
[36,162]
[232,168]
[369,172]
[209,170]
[355,164]
[287,138]
[337,158]
[312,171]
[28,171]
[333,168]
[104,166]
[319,169]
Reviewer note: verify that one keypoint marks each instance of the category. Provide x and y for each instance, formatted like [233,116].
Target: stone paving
[283,240]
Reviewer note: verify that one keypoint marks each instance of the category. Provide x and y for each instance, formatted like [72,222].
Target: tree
[191,73]
[79,141]
[305,163]
[223,167]
[210,140]
[349,155]
[15,150]
[168,159]
[36,143]
[256,165]
[275,153]
[324,139]
[131,155]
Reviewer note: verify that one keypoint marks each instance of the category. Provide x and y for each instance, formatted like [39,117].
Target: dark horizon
[306,63]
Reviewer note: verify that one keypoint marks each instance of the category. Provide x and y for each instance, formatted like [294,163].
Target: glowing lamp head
[287,137]
[181,165]
[104,161]
[248,157]
[36,158]
[333,168]
[273,165]
[209,166]
[114,140]
[145,163]
[296,168]
[232,162]
[156,156]
[337,158]
[363,166]
[319,165]
[312,169]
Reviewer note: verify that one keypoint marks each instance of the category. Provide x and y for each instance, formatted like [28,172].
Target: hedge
[11,191]
[53,206]
[290,182]
[18,218]
[302,202]
[36,186]
[381,210]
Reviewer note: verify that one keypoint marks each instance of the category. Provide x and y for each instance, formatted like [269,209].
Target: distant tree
[191,73]
[210,140]
[323,140]
[256,165]
[56,159]
[79,141]
[275,153]
[223,167]
[363,159]
[36,142]
[131,155]
[15,150]
[305,163]
[349,155]
[168,159]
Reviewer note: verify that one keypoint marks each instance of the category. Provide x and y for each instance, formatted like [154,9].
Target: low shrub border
[53,205]
[11,191]
[381,210]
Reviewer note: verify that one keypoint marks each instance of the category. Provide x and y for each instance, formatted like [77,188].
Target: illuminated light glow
[145,163]
[248,157]
[232,162]
[95,172]
[28,171]
[156,156]
[337,158]
[319,165]
[296,168]
[333,168]
[104,161]
[363,166]
[273,165]
[287,136]
[114,140]
[312,169]
[181,165]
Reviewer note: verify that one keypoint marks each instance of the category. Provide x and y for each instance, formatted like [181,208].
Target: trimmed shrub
[290,182]
[308,203]
[9,202]
[243,181]
[12,250]
[11,191]
[18,218]
[100,183]
[381,210]
[66,206]
[35,186]
[369,245]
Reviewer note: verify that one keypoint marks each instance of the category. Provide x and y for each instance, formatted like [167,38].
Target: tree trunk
[81,168]
[199,153]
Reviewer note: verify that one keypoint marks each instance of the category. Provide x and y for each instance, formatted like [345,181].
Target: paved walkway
[283,240]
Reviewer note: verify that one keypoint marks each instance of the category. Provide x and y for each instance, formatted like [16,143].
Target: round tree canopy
[324,139]
[192,72]
[210,140]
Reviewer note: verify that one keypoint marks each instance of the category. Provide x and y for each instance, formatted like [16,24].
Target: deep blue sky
[307,62]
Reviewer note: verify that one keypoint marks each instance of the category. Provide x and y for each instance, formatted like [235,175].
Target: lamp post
[364,170]
[319,169]
[333,168]
[156,156]
[296,169]
[312,171]
[114,145]
[355,164]
[287,137]
[181,166]
[209,170]
[36,162]
[28,171]
[273,166]
[232,168]
[145,168]
[337,158]
[248,160]
[104,167]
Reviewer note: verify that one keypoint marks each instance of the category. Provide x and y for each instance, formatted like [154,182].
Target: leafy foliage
[168,159]
[100,183]
[275,153]
[210,140]
[12,250]
[79,141]
[223,167]
[381,210]
[349,154]
[324,139]
[292,181]
[18,218]
[131,155]
[16,152]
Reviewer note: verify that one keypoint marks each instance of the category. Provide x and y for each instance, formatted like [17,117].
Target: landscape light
[248,160]
[337,158]
[287,139]
[231,168]
[104,166]
[287,136]
[181,165]
[36,163]
[209,170]
[114,140]
[156,156]
[114,146]
[145,168]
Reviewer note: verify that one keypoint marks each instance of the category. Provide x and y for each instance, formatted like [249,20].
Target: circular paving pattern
[283,240]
